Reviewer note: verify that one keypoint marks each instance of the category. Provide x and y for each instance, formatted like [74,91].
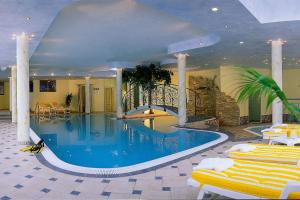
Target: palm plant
[254,83]
[147,77]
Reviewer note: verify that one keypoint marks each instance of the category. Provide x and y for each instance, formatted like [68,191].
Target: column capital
[181,55]
[277,42]
[22,36]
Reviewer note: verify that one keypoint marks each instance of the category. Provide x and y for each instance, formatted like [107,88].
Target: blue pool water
[98,140]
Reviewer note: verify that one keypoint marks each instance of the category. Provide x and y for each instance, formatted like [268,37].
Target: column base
[24,142]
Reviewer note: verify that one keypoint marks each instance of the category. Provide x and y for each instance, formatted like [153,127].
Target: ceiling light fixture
[241,42]
[69,74]
[34,74]
[52,74]
[28,18]
[215,9]
[13,36]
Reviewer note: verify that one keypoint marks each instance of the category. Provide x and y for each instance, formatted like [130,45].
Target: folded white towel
[242,148]
[276,125]
[217,164]
[275,130]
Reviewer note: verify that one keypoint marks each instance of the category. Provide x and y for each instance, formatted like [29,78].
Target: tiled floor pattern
[22,176]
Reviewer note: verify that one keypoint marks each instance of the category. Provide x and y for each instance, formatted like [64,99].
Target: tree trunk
[150,101]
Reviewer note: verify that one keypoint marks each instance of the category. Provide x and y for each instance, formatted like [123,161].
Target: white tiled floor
[22,176]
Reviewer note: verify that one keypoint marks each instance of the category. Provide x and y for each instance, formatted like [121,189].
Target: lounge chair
[59,108]
[286,126]
[249,180]
[43,109]
[271,133]
[268,153]
[280,130]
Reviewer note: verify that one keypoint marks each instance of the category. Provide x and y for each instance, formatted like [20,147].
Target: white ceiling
[106,32]
[92,36]
[268,11]
[29,16]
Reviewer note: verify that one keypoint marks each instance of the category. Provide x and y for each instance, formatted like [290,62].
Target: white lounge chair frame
[290,187]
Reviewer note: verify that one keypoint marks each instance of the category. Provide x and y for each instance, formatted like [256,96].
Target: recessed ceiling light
[241,42]
[52,74]
[214,9]
[69,74]
[28,18]
[13,36]
[34,74]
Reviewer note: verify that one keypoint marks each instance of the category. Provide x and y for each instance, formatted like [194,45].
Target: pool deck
[22,176]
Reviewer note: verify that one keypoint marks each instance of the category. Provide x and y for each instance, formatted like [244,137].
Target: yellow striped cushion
[270,153]
[266,180]
[289,126]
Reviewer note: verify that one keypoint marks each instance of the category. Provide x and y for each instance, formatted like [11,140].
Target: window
[30,86]
[1,88]
[47,85]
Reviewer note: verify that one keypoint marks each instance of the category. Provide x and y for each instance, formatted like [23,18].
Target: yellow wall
[291,83]
[229,78]
[209,73]
[4,99]
[63,87]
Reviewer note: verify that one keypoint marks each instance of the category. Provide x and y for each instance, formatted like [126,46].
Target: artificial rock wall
[213,102]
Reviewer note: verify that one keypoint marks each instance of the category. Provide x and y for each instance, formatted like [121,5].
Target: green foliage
[147,76]
[252,82]
[69,99]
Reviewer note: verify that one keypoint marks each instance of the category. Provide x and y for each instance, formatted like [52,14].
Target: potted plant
[68,101]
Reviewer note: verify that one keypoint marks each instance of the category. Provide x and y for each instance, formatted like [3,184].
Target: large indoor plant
[254,83]
[148,76]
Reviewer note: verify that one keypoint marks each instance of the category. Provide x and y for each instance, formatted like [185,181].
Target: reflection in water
[68,125]
[98,140]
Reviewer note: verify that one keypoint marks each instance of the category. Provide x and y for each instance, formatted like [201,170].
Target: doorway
[108,99]
[254,108]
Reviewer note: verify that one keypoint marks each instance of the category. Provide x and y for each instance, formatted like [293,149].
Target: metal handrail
[166,89]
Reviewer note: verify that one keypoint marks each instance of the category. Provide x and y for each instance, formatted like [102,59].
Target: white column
[14,94]
[119,93]
[9,93]
[23,89]
[181,64]
[140,95]
[277,76]
[87,95]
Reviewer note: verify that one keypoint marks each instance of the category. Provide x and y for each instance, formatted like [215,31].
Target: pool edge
[48,158]
[253,132]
